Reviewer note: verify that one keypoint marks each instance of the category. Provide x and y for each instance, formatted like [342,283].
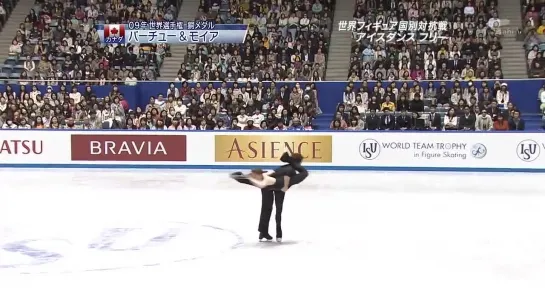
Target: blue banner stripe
[231,27]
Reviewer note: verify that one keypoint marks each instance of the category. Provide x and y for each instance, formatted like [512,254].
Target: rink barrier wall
[226,150]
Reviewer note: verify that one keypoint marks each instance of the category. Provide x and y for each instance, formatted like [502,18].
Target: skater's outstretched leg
[240,177]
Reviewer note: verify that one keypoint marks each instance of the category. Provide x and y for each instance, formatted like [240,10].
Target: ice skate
[263,237]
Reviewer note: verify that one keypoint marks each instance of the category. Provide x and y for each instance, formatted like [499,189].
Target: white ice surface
[351,239]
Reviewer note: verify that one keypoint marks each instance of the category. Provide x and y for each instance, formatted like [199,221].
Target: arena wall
[382,151]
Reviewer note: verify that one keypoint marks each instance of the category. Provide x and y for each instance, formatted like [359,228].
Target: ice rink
[183,238]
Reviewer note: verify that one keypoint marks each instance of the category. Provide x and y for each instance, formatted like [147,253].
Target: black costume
[274,194]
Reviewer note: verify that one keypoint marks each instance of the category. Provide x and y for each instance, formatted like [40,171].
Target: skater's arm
[299,168]
[302,174]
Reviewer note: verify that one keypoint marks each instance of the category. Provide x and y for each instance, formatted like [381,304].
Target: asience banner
[268,147]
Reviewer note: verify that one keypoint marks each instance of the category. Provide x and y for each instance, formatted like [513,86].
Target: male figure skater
[270,194]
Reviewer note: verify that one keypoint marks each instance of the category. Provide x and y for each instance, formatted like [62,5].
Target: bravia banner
[129,147]
[252,148]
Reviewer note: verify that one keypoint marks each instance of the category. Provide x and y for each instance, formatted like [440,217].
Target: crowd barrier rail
[324,150]
[523,92]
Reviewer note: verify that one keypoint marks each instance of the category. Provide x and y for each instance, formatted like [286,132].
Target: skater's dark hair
[257,171]
[297,157]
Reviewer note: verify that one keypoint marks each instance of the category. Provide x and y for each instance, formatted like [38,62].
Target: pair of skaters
[273,185]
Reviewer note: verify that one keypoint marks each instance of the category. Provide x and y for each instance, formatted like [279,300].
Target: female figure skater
[262,180]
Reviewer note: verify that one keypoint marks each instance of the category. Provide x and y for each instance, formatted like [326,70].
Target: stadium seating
[471,48]
[47,59]
[6,8]
[469,52]
[533,32]
[285,43]
[58,41]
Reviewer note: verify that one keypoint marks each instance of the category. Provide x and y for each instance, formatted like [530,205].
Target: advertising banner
[252,148]
[21,147]
[25,146]
[441,150]
[129,147]
[396,151]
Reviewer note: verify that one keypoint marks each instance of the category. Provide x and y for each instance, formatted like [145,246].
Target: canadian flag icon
[114,31]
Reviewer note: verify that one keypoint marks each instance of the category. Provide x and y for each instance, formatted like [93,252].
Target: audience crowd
[249,106]
[533,16]
[286,41]
[58,41]
[426,107]
[472,50]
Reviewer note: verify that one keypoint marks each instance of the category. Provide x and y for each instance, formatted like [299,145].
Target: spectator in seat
[336,125]
[451,120]
[190,126]
[372,122]
[235,125]
[493,110]
[532,54]
[257,118]
[349,98]
[221,125]
[15,49]
[403,121]
[354,125]
[250,125]
[502,96]
[516,122]
[280,126]
[388,105]
[296,125]
[467,120]
[501,124]
[484,122]
[9,124]
[94,121]
[339,118]
[434,120]
[387,120]
[537,70]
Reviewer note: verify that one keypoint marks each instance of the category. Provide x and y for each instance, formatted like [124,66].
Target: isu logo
[528,150]
[478,151]
[369,149]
